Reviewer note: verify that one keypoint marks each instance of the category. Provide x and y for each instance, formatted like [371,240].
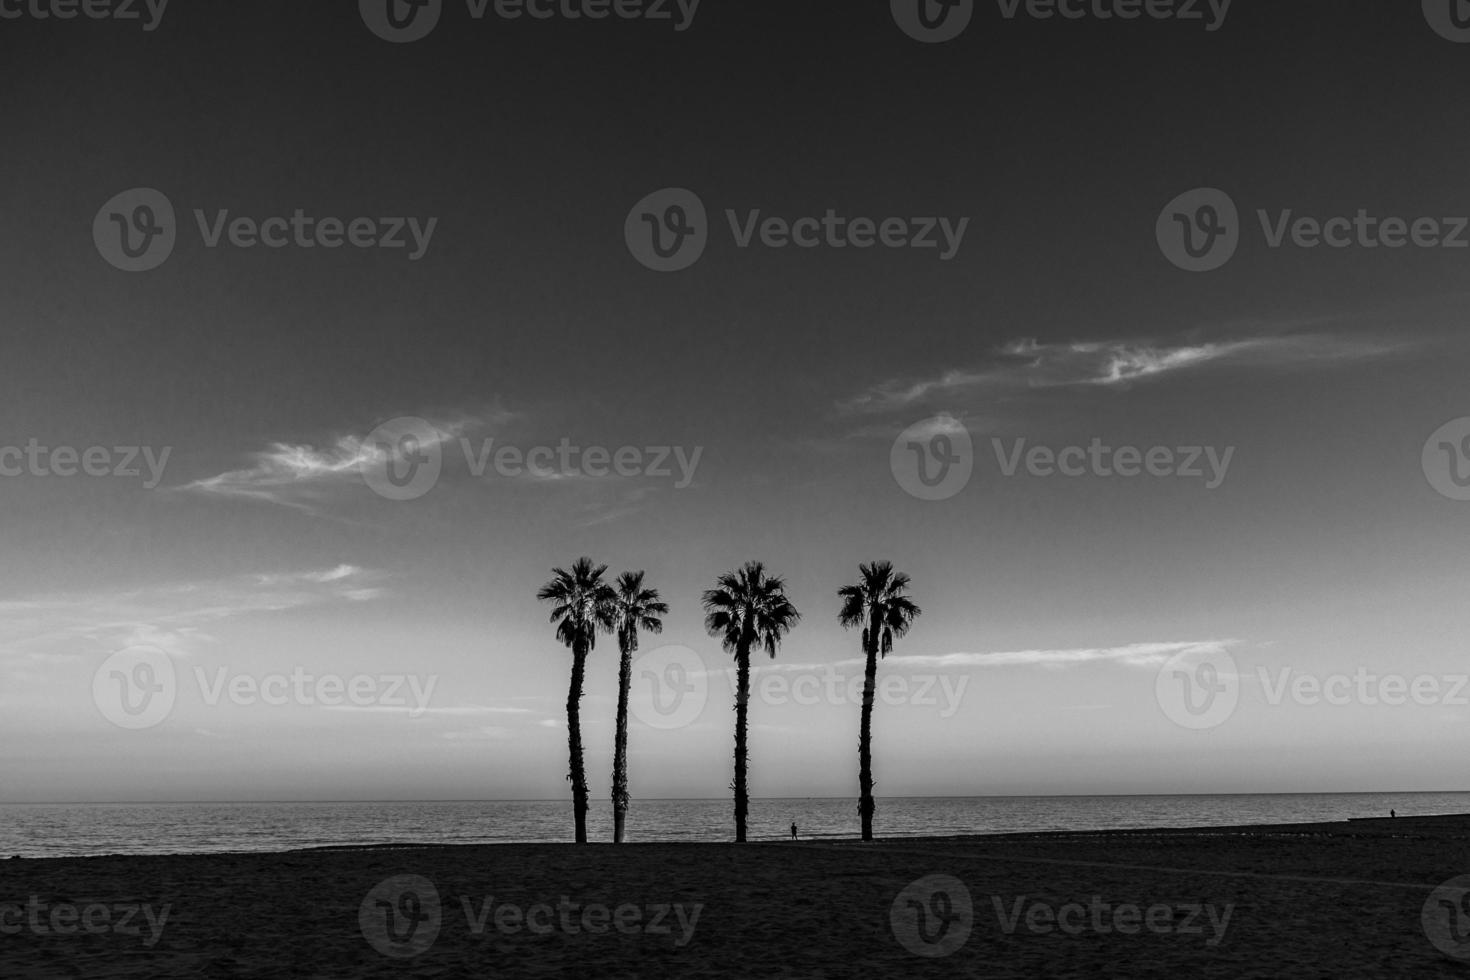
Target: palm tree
[582,605]
[880,605]
[747,609]
[634,608]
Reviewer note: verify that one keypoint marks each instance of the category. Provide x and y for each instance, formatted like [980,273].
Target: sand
[1323,900]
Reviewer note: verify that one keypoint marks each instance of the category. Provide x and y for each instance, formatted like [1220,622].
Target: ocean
[36,830]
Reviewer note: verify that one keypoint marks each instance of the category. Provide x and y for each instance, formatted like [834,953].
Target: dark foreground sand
[1323,900]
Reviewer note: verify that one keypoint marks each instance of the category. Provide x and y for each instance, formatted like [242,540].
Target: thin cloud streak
[1027,364]
[1130,655]
[1147,654]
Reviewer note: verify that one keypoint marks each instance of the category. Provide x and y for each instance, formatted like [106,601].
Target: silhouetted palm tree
[634,608]
[879,604]
[747,609]
[582,604]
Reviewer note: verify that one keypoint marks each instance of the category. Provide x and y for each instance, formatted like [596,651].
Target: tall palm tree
[582,605]
[747,609]
[880,605]
[634,608]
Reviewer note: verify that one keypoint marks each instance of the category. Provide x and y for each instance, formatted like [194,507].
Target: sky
[775,402]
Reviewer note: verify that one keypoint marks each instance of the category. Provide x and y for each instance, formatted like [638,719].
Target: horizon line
[713,799]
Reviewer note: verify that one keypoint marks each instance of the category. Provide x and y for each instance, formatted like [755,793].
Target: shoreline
[1441,824]
[1345,898]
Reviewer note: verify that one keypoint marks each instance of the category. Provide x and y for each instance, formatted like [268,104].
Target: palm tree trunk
[742,706]
[620,750]
[866,806]
[578,773]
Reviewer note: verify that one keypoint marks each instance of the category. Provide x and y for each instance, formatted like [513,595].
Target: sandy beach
[1317,900]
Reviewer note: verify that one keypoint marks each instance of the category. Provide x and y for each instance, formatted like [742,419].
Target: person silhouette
[1392,813]
[793,830]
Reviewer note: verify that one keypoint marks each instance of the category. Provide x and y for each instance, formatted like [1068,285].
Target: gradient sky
[1324,550]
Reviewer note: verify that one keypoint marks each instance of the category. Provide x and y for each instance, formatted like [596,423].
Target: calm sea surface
[55,830]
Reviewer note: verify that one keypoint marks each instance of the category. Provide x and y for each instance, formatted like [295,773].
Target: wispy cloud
[172,617]
[1130,655]
[619,502]
[1029,364]
[301,476]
